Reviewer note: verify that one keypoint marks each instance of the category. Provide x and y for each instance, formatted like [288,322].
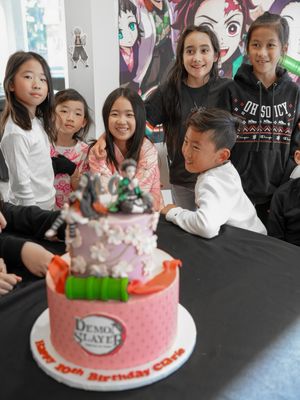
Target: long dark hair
[177,75]
[72,95]
[134,144]
[17,111]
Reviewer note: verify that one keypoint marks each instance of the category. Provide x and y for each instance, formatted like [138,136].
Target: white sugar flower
[98,270]
[99,252]
[78,265]
[147,245]
[133,235]
[116,235]
[121,269]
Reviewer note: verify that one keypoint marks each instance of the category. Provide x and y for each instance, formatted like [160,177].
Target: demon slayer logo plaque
[99,334]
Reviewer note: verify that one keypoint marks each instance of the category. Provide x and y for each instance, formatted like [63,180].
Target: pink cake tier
[114,335]
[118,245]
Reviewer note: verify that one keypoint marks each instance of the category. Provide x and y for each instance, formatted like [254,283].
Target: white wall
[98,19]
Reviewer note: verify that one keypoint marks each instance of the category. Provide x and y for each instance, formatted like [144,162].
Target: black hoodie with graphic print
[269,116]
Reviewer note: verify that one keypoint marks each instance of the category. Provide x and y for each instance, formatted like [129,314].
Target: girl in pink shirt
[124,119]
[72,121]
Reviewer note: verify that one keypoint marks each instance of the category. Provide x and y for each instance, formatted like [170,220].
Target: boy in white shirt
[219,196]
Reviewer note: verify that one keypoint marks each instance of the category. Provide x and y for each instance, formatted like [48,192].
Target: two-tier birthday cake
[113,300]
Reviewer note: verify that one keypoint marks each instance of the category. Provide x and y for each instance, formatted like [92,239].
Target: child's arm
[7,281]
[82,166]
[167,208]
[195,222]
[18,251]
[36,258]
[214,205]
[148,173]
[99,148]
[15,149]
[29,221]
[100,166]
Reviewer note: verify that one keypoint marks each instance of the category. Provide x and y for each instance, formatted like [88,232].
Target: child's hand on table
[7,281]
[167,208]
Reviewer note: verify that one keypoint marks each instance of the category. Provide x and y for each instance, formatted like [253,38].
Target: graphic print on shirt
[264,123]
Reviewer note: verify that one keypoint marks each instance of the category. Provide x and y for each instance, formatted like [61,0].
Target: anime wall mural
[160,16]
[148,30]
[130,34]
[291,11]
[146,41]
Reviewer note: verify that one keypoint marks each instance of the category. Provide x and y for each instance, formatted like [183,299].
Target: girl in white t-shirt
[27,126]
[73,121]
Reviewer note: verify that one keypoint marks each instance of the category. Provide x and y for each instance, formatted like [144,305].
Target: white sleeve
[214,206]
[15,149]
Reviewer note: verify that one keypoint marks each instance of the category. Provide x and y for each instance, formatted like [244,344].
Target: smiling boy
[219,196]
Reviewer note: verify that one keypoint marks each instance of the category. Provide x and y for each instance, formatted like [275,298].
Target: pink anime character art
[130,35]
[228,18]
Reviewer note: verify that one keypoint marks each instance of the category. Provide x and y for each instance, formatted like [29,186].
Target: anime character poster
[130,33]
[77,49]
[146,42]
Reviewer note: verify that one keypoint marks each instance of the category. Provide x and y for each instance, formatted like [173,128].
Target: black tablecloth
[243,291]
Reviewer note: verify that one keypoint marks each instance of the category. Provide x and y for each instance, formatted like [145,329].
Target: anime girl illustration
[290,10]
[129,39]
[228,18]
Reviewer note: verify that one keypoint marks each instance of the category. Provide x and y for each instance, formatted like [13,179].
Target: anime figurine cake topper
[130,199]
[84,204]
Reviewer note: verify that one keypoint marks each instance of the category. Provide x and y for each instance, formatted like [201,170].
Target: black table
[243,291]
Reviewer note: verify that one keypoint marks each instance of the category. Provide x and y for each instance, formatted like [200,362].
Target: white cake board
[112,380]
